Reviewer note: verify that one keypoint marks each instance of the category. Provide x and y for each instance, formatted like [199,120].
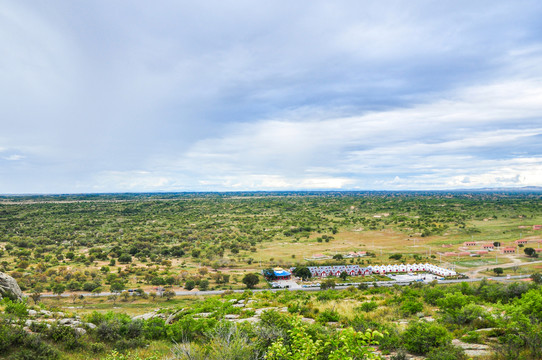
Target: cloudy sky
[115,96]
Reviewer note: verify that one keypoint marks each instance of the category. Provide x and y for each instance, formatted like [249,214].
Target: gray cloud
[129,96]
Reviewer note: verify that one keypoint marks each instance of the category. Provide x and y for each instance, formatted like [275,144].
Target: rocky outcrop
[9,288]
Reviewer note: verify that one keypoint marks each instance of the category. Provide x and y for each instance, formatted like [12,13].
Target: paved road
[316,288]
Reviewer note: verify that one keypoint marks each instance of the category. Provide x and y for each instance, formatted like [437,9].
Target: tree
[35,296]
[537,278]
[337,257]
[497,244]
[420,337]
[168,294]
[529,251]
[270,274]
[117,286]
[498,271]
[250,280]
[396,256]
[58,289]
[204,285]
[189,284]
[125,259]
[328,284]
[302,272]
[343,275]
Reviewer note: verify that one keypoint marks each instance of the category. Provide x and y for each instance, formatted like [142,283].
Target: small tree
[117,286]
[35,296]
[328,284]
[303,272]
[204,285]
[537,278]
[497,244]
[337,257]
[529,251]
[498,271]
[58,289]
[189,284]
[269,274]
[343,275]
[125,259]
[168,294]
[250,280]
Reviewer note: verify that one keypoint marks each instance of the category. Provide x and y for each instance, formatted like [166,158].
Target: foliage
[251,280]
[421,337]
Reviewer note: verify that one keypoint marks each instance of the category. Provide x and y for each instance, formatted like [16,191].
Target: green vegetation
[329,324]
[144,247]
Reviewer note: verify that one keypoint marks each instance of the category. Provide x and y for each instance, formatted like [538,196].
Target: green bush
[17,308]
[328,316]
[447,352]
[411,307]
[154,329]
[421,337]
[367,306]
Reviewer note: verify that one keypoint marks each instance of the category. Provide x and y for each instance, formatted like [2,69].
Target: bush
[367,306]
[421,337]
[411,307]
[108,331]
[154,329]
[447,352]
[328,316]
[17,308]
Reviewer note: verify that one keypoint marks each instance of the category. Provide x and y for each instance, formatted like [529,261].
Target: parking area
[285,284]
[425,277]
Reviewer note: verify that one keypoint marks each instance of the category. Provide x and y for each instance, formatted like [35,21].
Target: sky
[140,96]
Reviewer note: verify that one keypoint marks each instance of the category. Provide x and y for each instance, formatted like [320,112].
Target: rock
[231,316]
[203,315]
[149,316]
[172,316]
[251,320]
[32,313]
[9,288]
[91,325]
[238,305]
[46,313]
[308,320]
[28,323]
[80,331]
[473,350]
[261,310]
[65,321]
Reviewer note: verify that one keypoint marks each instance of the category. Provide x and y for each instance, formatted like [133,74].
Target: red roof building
[488,246]
[521,241]
[537,227]
[469,243]
[508,250]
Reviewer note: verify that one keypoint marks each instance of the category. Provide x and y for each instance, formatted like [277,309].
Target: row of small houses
[356,270]
[492,246]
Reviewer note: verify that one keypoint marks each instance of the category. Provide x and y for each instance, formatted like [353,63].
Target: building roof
[281,272]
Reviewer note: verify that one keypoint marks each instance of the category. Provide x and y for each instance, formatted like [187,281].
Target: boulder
[9,288]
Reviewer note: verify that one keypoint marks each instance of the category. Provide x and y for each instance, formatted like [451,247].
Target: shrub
[421,337]
[411,307]
[328,316]
[447,352]
[17,308]
[367,306]
[108,331]
[154,329]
